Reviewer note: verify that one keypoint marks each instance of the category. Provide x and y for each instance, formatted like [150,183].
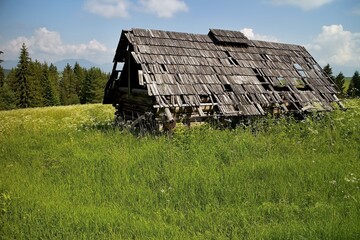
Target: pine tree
[23,79]
[339,82]
[36,86]
[354,87]
[100,86]
[68,94]
[2,76]
[88,87]
[93,86]
[47,90]
[2,73]
[328,71]
[54,83]
[7,96]
[80,74]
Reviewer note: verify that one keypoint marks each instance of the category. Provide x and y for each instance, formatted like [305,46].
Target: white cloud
[121,8]
[46,45]
[108,8]
[249,33]
[304,4]
[336,46]
[164,8]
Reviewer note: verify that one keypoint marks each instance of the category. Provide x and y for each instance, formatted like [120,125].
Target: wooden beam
[128,75]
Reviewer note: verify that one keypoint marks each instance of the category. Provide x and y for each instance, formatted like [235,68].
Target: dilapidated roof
[227,70]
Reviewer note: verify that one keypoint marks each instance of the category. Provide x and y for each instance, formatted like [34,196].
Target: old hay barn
[166,77]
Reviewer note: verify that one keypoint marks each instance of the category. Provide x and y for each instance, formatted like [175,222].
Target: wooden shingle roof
[237,75]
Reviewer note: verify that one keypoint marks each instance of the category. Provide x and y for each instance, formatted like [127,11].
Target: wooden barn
[170,77]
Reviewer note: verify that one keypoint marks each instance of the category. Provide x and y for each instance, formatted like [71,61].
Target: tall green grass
[66,173]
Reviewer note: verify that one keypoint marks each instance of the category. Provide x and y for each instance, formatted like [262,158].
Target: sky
[54,30]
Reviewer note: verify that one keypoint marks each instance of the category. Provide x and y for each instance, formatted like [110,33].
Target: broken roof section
[225,70]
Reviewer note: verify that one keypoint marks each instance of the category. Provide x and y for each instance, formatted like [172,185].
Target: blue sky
[54,30]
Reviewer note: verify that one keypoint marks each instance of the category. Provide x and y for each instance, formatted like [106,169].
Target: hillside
[66,173]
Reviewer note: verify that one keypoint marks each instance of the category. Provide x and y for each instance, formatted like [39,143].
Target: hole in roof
[227,87]
[297,66]
[264,56]
[302,73]
[233,61]
[299,83]
[256,71]
[261,78]
[163,67]
[282,82]
[205,99]
[300,70]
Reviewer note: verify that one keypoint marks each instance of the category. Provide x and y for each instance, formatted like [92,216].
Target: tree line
[35,84]
[353,89]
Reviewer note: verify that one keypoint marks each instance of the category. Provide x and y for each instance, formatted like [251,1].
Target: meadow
[68,173]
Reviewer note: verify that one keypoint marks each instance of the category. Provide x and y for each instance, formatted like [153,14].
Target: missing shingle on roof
[227,88]
[300,70]
[163,67]
[231,59]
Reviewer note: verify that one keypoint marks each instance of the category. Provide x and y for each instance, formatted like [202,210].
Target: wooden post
[169,115]
[128,77]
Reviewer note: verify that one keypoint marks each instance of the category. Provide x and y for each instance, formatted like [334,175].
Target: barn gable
[223,73]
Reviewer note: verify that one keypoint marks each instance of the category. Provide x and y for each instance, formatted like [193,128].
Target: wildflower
[333,182]
[351,178]
[313,131]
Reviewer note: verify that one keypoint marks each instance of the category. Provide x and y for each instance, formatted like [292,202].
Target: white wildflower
[333,182]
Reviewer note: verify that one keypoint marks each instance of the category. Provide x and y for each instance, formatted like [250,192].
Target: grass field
[66,173]
[346,84]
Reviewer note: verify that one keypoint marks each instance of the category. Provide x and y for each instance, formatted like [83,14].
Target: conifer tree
[68,94]
[328,71]
[354,87]
[2,76]
[22,84]
[88,86]
[47,89]
[339,82]
[54,83]
[2,73]
[36,86]
[100,86]
[7,96]
[80,74]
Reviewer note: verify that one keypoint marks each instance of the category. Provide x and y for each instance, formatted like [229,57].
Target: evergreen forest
[35,84]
